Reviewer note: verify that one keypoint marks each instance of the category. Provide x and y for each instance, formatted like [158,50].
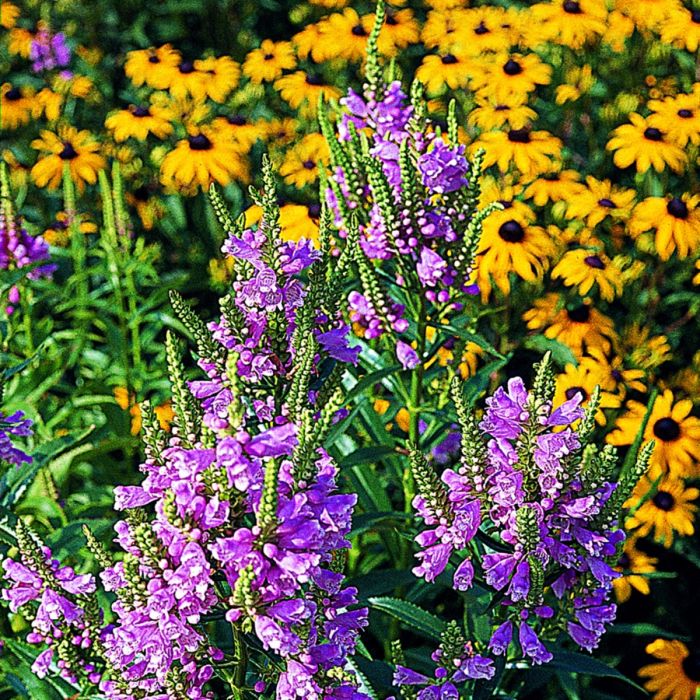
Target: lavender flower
[17,425]
[49,51]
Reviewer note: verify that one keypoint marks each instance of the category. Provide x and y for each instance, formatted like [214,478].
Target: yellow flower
[676,676]
[509,74]
[532,152]
[441,29]
[661,506]
[448,69]
[164,412]
[301,91]
[149,206]
[344,35]
[300,165]
[571,23]
[581,380]
[633,564]
[579,328]
[297,221]
[679,116]
[280,131]
[221,75]
[138,122]
[675,220]
[578,82]
[682,28]
[611,373]
[8,15]
[307,43]
[153,67]
[490,113]
[400,30]
[583,268]
[555,187]
[267,63]
[48,103]
[69,146]
[647,14]
[58,232]
[16,105]
[201,158]
[600,199]
[646,146]
[20,43]
[511,243]
[243,132]
[676,433]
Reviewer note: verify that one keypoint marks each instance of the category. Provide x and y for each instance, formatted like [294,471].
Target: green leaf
[580,663]
[561,354]
[411,615]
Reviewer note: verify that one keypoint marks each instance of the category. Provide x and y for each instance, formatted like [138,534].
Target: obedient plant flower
[238,518]
[49,50]
[408,192]
[539,496]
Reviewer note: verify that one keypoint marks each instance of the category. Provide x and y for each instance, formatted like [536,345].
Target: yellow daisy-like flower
[243,132]
[48,103]
[344,35]
[581,380]
[480,30]
[69,146]
[490,113]
[58,232]
[511,243]
[300,165]
[645,146]
[571,23]
[400,29]
[201,158]
[676,433]
[188,81]
[643,349]
[508,74]
[675,221]
[297,221]
[153,67]
[583,268]
[280,131]
[647,14]
[578,82]
[221,76]
[267,63]
[682,28]
[579,328]
[600,199]
[301,91]
[531,152]
[612,374]
[676,675]
[661,506]
[449,69]
[633,564]
[16,104]
[138,122]
[554,187]
[20,43]
[679,116]
[9,14]
[441,29]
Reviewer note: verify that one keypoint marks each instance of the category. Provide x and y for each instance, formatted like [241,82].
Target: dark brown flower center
[580,314]
[595,262]
[199,142]
[481,29]
[186,67]
[663,500]
[519,135]
[312,79]
[314,210]
[141,193]
[667,429]
[651,133]
[236,120]
[574,391]
[68,152]
[449,59]
[512,67]
[153,59]
[391,20]
[691,663]
[359,30]
[140,112]
[678,208]
[685,113]
[617,375]
[624,561]
[511,231]
[13,94]
[695,16]
[269,56]
[309,164]
[572,7]
[605,202]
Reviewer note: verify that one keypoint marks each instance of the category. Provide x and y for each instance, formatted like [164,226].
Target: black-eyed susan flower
[139,121]
[47,103]
[579,327]
[280,131]
[644,349]
[243,132]
[480,30]
[344,35]
[578,81]
[78,149]
[557,186]
[153,67]
[585,269]
[490,113]
[20,43]
[16,104]
[400,29]
[188,81]
[441,28]
[571,23]
[301,91]
[675,432]
[201,158]
[612,373]
[647,14]
[300,164]
[600,199]
[675,222]
[221,76]
[676,673]
[645,146]
[59,230]
[511,243]
[508,74]
[682,28]
[581,380]
[661,506]
[9,14]
[633,564]
[679,116]
[267,63]
[531,152]
[148,204]
[297,221]
[448,69]
[306,42]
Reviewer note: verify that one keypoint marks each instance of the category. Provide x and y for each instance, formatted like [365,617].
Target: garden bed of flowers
[349,351]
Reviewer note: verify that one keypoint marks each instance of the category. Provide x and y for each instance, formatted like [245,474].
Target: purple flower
[501,638]
[406,355]
[464,576]
[444,168]
[532,646]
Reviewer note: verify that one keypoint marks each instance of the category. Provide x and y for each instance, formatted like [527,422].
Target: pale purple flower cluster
[19,426]
[527,493]
[49,51]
